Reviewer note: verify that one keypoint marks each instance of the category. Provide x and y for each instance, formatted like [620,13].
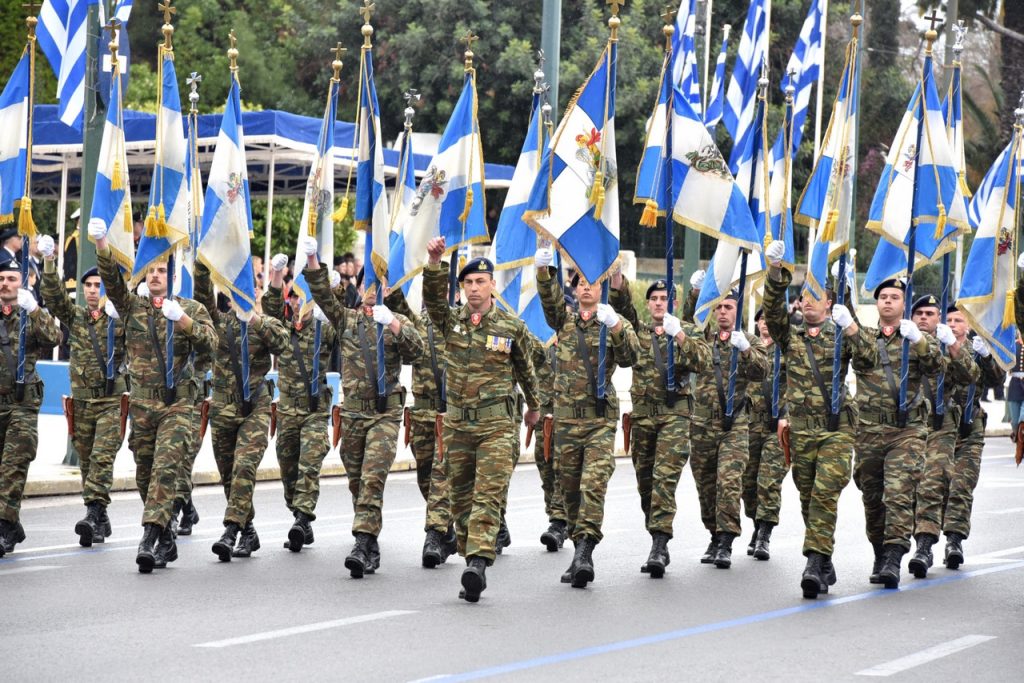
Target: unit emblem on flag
[1005,240]
[708,160]
[234,187]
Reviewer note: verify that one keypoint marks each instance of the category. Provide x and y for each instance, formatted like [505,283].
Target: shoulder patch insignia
[475,318]
[888,330]
[95,314]
[585,315]
[724,336]
[158,302]
[814,331]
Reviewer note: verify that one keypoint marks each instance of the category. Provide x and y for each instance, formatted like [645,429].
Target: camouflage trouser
[184,486]
[762,479]
[586,460]
[936,470]
[658,447]
[97,439]
[963,480]
[160,441]
[431,473]
[479,463]
[302,445]
[238,447]
[550,475]
[368,449]
[821,470]
[717,460]
[886,469]
[19,433]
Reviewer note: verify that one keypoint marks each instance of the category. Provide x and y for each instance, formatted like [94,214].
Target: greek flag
[227,220]
[715,106]
[984,191]
[13,145]
[61,35]
[185,254]
[986,295]
[953,114]
[684,53]
[450,199]
[741,97]
[372,213]
[515,243]
[780,190]
[651,176]
[575,199]
[405,193]
[805,65]
[167,222]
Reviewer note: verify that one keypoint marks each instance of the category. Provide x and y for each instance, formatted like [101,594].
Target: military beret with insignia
[926,301]
[8,234]
[733,295]
[657,286]
[893,283]
[10,266]
[477,265]
[92,272]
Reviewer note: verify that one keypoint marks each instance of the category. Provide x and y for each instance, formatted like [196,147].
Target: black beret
[477,265]
[952,309]
[10,266]
[926,301]
[574,279]
[338,260]
[657,286]
[893,282]
[570,301]
[759,314]
[733,295]
[359,278]
[92,272]
[8,234]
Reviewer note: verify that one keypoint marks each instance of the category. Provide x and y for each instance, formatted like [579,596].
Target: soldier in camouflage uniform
[660,420]
[718,446]
[487,352]
[584,423]
[302,439]
[19,416]
[545,363]
[890,448]
[431,472]
[959,371]
[370,423]
[203,363]
[162,420]
[96,402]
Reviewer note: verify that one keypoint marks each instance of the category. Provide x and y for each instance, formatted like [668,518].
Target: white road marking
[1004,552]
[925,656]
[26,570]
[1004,511]
[308,628]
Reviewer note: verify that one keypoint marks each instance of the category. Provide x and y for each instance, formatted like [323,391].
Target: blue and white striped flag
[62,35]
[953,114]
[780,190]
[717,102]
[185,254]
[684,53]
[741,97]
[14,143]
[985,188]
[651,177]
[372,213]
[405,194]
[224,245]
[805,65]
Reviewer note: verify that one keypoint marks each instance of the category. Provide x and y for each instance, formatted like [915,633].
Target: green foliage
[287,219]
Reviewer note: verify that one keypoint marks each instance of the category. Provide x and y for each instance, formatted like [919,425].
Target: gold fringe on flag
[1009,310]
[6,218]
[342,211]
[117,180]
[940,225]
[649,218]
[469,205]
[26,226]
[156,221]
[828,233]
[595,189]
[966,191]
[311,222]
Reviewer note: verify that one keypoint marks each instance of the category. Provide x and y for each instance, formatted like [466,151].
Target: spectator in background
[1015,395]
[10,245]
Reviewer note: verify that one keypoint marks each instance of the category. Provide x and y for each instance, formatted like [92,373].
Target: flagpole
[168,30]
[26,226]
[708,7]
[820,95]
[788,169]
[670,367]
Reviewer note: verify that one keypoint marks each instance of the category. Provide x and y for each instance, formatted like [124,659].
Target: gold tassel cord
[26,226]
[117,179]
[599,204]
[156,222]
[127,218]
[597,187]
[649,218]
[940,225]
[828,233]
[1009,311]
[468,207]
[342,211]
[311,223]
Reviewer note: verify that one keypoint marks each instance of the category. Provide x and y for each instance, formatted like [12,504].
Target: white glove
[945,335]
[45,244]
[244,316]
[739,340]
[111,310]
[671,324]
[382,315]
[980,347]
[309,245]
[143,290]
[697,279]
[334,278]
[607,316]
[841,316]
[1020,260]
[775,252]
[278,262]
[319,314]
[172,310]
[910,331]
[97,228]
[27,301]
[543,257]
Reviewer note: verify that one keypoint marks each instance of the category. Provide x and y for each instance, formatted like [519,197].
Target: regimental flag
[167,222]
[14,103]
[185,254]
[450,198]
[224,245]
[826,204]
[653,174]
[984,191]
[805,64]
[372,213]
[780,201]
[575,199]
[953,115]
[405,194]
[708,200]
[684,53]
[717,102]
[987,291]
[515,243]
[62,35]
[741,97]
[111,198]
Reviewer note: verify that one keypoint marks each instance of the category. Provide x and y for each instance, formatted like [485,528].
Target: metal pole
[952,14]
[820,95]
[62,214]
[92,138]
[856,149]
[707,53]
[551,43]
[268,229]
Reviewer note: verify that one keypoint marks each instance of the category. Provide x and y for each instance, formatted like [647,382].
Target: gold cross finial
[168,11]
[367,10]
[668,15]
[933,19]
[113,26]
[469,39]
[337,63]
[233,52]
[31,20]
[930,35]
[616,4]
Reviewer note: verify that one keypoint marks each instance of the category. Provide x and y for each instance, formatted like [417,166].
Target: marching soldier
[183,501]
[238,425]
[545,364]
[890,445]
[95,409]
[302,440]
[487,352]
[584,423]
[370,422]
[659,425]
[19,404]
[161,418]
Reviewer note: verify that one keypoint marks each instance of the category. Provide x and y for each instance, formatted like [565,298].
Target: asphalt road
[74,614]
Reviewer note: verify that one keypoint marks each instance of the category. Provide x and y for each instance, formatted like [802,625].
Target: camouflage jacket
[88,374]
[572,383]
[693,355]
[136,312]
[990,375]
[293,384]
[266,336]
[424,386]
[959,373]
[752,367]
[760,395]
[41,335]
[486,359]
[545,362]
[358,341]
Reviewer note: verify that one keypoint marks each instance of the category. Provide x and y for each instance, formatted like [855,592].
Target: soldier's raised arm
[202,291]
[620,296]
[776,315]
[270,331]
[44,329]
[396,301]
[753,363]
[113,281]
[320,285]
[690,305]
[410,343]
[625,343]
[435,287]
[273,297]
[55,294]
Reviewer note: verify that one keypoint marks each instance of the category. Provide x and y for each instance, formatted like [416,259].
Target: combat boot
[568,573]
[297,534]
[658,558]
[189,518]
[166,549]
[828,574]
[554,537]
[474,578]
[359,558]
[105,522]
[753,538]
[890,573]
[432,549]
[812,580]
[248,541]
[374,563]
[764,537]
[175,511]
[146,558]
[91,526]
[449,544]
[14,535]
[954,550]
[723,555]
[584,573]
[5,528]
[876,568]
[709,555]
[922,559]
[222,548]
[503,539]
